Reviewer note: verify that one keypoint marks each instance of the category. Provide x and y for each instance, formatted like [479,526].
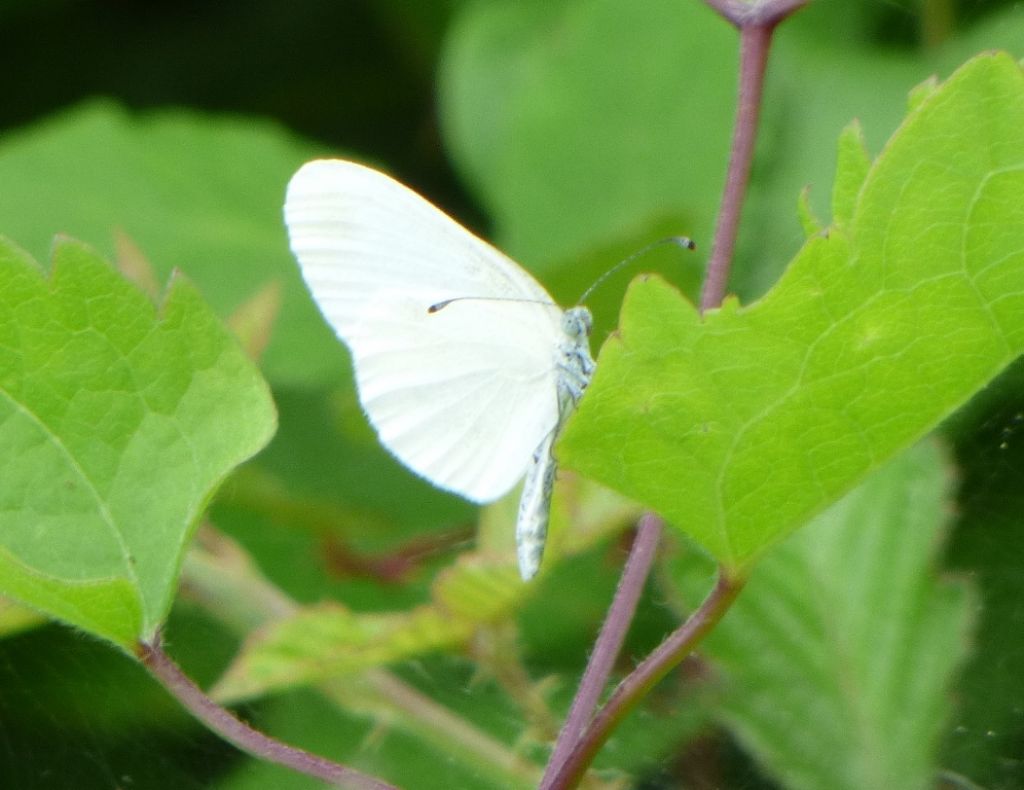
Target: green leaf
[116,425]
[740,425]
[835,663]
[191,191]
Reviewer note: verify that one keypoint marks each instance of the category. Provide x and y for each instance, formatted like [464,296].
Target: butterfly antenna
[683,241]
[438,306]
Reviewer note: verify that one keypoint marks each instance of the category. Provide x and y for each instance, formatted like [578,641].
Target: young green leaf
[740,425]
[116,425]
[480,589]
[318,643]
[836,662]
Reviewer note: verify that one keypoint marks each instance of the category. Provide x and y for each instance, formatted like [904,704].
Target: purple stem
[609,642]
[754,45]
[577,743]
[658,664]
[237,732]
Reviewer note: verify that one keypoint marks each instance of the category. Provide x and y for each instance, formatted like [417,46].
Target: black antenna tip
[438,306]
[683,241]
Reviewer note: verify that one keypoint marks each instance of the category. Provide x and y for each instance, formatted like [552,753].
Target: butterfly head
[577,322]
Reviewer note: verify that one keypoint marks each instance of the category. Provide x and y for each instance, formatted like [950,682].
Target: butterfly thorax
[575,365]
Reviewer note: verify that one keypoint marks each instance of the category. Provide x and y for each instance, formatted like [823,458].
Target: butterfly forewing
[462,396]
[356,231]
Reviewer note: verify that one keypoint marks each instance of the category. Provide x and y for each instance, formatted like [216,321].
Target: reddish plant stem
[578,744]
[609,641]
[237,732]
[754,45]
[658,664]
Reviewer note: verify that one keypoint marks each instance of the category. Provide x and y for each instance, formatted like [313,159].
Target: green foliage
[481,590]
[741,424]
[587,128]
[983,741]
[837,660]
[586,123]
[584,117]
[117,425]
[329,640]
[191,191]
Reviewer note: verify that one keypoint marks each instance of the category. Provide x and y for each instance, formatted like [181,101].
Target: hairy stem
[237,732]
[578,744]
[756,22]
[754,44]
[609,641]
[658,664]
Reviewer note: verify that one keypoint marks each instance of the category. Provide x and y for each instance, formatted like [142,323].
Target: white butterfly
[470,395]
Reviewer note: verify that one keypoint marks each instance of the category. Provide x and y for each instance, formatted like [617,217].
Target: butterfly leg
[575,368]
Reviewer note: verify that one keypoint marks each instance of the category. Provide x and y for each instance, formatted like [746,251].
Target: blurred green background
[571,133]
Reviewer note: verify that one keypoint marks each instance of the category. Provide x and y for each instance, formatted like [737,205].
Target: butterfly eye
[577,322]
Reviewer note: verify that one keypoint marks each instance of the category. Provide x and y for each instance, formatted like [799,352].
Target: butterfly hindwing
[462,396]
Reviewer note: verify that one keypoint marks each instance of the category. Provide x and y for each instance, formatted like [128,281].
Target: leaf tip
[808,220]
[134,265]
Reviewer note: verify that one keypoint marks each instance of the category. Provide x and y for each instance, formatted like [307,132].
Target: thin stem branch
[658,664]
[220,577]
[237,732]
[609,641]
[755,42]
